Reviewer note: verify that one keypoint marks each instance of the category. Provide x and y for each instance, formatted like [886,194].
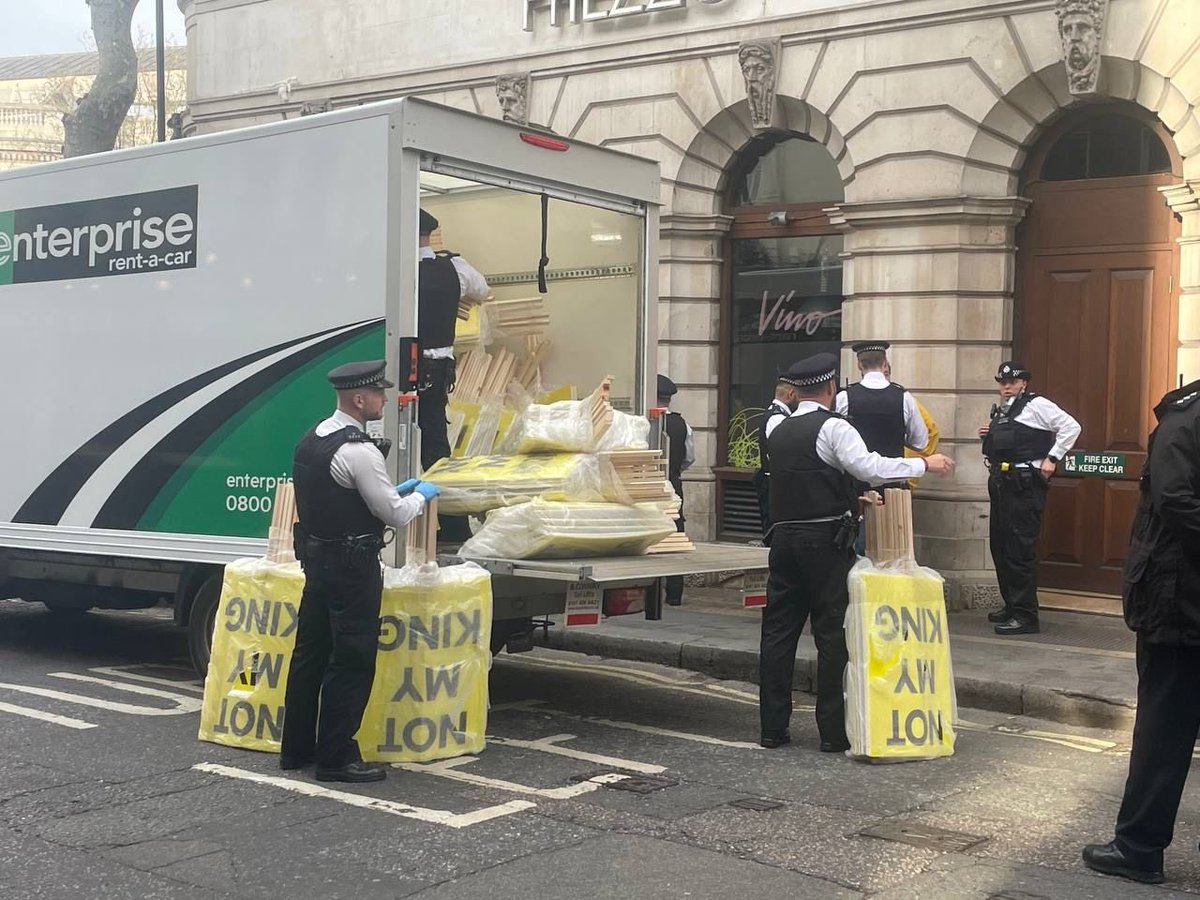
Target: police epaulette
[354,433]
[445,254]
[1185,402]
[897,384]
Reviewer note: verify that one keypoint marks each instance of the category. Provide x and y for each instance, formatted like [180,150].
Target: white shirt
[916,435]
[776,413]
[1049,416]
[841,446]
[689,448]
[359,465]
[472,286]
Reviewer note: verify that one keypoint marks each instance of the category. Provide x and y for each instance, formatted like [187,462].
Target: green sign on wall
[1102,465]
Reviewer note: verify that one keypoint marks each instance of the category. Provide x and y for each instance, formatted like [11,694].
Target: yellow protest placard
[900,699]
[253,639]
[429,697]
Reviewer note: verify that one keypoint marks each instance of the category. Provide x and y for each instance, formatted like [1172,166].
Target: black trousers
[1164,734]
[807,579]
[1018,500]
[674,585]
[437,376]
[333,665]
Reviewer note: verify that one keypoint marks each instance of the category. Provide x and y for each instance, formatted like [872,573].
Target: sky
[64,26]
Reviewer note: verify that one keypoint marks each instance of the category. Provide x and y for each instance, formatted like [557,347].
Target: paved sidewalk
[1079,670]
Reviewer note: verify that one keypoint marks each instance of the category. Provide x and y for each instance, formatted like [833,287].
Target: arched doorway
[782,299]
[1095,321]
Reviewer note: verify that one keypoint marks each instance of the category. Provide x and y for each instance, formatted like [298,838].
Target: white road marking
[448,768]
[65,721]
[645,678]
[195,687]
[550,745]
[539,706]
[404,810]
[183,704]
[1073,741]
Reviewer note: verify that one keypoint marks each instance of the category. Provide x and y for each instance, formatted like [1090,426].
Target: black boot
[355,773]
[1109,859]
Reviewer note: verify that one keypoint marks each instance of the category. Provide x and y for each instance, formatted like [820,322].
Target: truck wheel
[201,620]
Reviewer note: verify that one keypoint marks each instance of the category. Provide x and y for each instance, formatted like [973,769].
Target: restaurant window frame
[750,221]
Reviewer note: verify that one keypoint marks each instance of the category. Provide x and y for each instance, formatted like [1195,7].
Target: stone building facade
[942,127]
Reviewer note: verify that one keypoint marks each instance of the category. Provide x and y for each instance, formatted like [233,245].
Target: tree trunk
[93,126]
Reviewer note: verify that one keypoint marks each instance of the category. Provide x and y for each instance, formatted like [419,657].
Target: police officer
[1023,444]
[444,279]
[1162,604]
[784,404]
[681,455]
[818,460]
[884,413]
[344,500]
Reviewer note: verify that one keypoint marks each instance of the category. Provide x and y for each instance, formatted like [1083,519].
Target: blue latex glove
[405,488]
[427,489]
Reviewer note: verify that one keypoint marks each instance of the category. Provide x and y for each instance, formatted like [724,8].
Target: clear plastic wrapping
[569,426]
[429,698]
[555,530]
[899,683]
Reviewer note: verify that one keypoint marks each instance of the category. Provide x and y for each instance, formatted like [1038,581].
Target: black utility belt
[1011,468]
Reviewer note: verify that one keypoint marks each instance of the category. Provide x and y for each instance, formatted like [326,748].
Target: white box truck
[169,313]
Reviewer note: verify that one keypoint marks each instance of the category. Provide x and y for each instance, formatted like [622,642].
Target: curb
[1035,701]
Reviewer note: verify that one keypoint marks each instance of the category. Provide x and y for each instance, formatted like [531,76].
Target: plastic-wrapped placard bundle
[477,484]
[252,645]
[569,426]
[430,696]
[900,700]
[429,699]
[545,529]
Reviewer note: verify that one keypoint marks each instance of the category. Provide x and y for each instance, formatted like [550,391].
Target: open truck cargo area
[181,304]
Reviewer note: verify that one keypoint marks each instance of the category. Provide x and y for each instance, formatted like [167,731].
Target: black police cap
[814,370]
[359,374]
[870,346]
[1012,369]
[429,224]
[666,387]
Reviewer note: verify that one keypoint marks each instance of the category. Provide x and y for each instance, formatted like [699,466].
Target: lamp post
[160,58]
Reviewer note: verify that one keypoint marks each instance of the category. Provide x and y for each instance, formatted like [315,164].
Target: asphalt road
[106,793]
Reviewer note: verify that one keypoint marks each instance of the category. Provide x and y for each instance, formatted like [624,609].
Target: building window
[783,299]
[1106,146]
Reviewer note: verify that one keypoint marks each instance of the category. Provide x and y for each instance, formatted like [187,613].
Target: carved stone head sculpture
[759,62]
[513,93]
[1081,27]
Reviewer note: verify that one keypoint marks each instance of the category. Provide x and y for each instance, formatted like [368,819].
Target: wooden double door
[1096,324]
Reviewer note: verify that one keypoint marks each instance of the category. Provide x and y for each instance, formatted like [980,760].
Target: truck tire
[201,620]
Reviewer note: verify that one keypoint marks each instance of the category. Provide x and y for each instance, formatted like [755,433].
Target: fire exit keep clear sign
[1103,465]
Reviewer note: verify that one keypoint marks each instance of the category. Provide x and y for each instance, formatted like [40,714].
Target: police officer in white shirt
[884,413]
[818,460]
[443,280]
[785,402]
[344,500]
[1023,444]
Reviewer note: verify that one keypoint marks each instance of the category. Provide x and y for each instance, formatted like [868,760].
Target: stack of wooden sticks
[640,474]
[481,374]
[280,547]
[675,543]
[507,318]
[890,528]
[598,407]
[420,536]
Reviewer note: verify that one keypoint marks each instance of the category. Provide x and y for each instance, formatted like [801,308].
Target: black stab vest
[677,432]
[326,509]
[878,414]
[803,486]
[1010,441]
[438,293]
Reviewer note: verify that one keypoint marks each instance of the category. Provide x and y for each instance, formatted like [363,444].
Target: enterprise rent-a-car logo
[134,233]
